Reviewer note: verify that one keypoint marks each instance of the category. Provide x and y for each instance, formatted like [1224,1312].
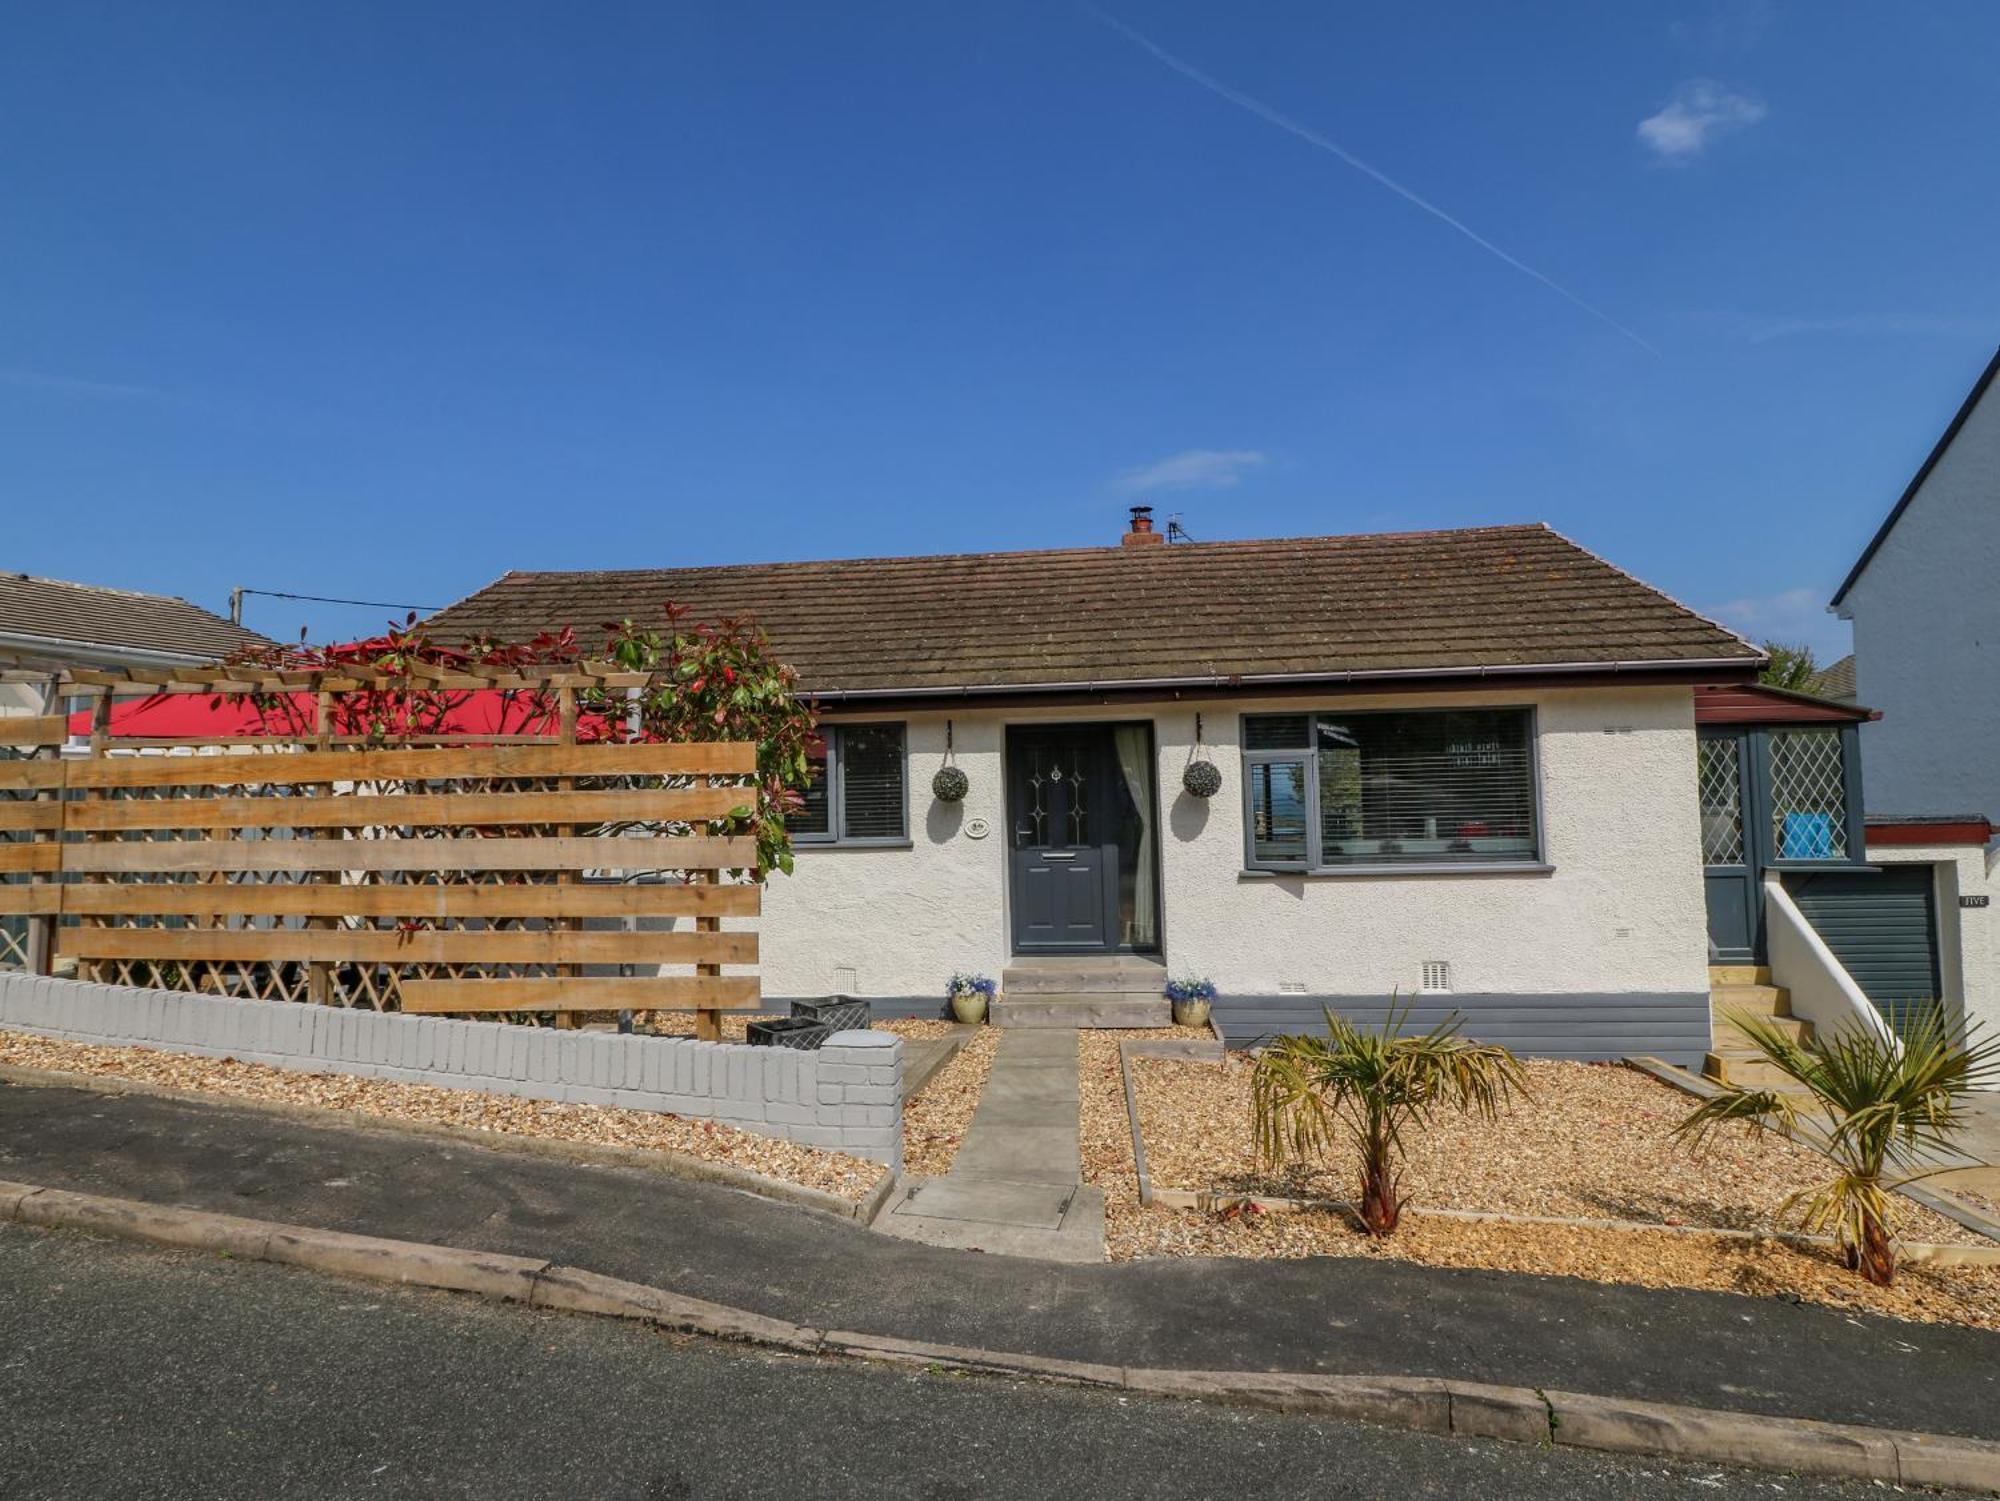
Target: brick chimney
[1141,533]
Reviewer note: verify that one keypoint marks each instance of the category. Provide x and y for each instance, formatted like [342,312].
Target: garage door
[1882,926]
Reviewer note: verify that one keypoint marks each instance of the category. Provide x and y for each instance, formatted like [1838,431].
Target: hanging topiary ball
[950,784]
[1202,779]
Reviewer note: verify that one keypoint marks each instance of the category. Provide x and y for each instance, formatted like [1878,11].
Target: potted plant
[1192,995]
[970,996]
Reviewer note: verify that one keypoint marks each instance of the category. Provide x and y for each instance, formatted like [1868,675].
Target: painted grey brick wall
[1589,1028]
[846,1097]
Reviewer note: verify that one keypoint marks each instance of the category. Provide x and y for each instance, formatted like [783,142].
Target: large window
[856,792]
[1330,790]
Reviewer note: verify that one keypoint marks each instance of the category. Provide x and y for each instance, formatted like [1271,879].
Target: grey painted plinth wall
[1590,1028]
[846,1097]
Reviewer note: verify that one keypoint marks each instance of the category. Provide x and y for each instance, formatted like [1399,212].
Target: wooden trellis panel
[446,879]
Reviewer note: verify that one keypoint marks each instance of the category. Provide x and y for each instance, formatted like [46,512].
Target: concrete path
[1347,1315]
[1016,1184]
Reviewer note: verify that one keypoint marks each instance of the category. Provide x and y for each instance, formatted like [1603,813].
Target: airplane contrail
[1312,137]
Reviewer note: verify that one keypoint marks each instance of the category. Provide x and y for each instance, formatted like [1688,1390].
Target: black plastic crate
[787,1032]
[841,1013]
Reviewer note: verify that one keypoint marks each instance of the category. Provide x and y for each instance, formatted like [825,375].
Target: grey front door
[1062,849]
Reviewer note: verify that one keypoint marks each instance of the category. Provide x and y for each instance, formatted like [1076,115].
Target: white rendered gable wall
[1926,614]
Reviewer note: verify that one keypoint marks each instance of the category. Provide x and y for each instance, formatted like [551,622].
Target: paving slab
[1019,1154]
[1039,1206]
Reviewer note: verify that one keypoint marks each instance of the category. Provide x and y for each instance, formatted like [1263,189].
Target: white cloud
[1194,469]
[1798,617]
[1699,112]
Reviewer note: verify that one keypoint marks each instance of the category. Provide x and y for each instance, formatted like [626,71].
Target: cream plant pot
[970,1010]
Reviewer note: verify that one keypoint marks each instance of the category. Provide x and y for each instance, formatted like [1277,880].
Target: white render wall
[1621,912]
[1926,613]
[1968,945]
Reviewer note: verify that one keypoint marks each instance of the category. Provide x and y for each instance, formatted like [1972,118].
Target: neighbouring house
[54,624]
[48,625]
[1924,600]
[1837,681]
[1456,767]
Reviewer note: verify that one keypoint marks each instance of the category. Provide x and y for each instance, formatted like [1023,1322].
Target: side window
[856,794]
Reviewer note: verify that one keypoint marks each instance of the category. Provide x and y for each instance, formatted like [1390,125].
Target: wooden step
[1739,974]
[1111,975]
[1747,1071]
[1751,1000]
[1076,1011]
[1731,1037]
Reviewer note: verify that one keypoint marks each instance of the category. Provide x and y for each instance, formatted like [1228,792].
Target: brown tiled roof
[115,619]
[1837,682]
[1412,603]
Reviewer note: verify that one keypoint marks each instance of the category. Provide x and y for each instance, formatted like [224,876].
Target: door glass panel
[1721,784]
[1808,795]
[1055,796]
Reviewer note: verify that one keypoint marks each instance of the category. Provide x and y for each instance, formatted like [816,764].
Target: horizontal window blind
[1424,786]
[871,765]
[856,787]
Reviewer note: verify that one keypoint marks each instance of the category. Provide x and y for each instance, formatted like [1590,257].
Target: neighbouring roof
[1837,681]
[1909,494]
[1503,600]
[37,610]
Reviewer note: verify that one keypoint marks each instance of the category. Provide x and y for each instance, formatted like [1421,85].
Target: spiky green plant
[1878,1107]
[1367,1087]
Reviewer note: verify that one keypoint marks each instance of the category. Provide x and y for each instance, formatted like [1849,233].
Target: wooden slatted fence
[457,879]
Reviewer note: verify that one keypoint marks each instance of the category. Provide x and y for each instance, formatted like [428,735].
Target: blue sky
[380,301]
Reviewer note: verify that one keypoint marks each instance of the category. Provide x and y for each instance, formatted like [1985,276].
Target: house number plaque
[1974,901]
[977,828]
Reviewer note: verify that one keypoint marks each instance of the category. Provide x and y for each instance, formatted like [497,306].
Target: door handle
[1058,854]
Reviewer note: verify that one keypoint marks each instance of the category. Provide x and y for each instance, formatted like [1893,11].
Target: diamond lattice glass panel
[1808,795]
[1721,803]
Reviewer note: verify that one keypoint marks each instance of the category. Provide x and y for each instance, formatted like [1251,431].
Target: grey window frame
[1534,861]
[836,791]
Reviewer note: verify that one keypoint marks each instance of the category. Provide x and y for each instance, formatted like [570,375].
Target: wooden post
[319,973]
[566,735]
[100,738]
[707,1019]
[41,931]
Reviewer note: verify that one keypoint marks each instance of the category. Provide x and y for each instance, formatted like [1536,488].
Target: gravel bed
[711,1141]
[935,1122]
[1594,1142]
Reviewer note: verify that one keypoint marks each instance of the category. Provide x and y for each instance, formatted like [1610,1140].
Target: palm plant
[1367,1087]
[1879,1107]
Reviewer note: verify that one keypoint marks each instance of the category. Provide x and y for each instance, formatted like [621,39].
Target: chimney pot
[1141,533]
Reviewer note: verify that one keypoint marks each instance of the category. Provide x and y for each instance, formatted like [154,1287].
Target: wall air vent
[1437,975]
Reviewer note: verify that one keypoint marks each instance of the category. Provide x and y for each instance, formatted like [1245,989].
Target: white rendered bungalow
[1457,767]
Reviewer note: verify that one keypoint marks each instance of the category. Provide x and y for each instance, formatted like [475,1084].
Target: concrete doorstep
[1459,1408]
